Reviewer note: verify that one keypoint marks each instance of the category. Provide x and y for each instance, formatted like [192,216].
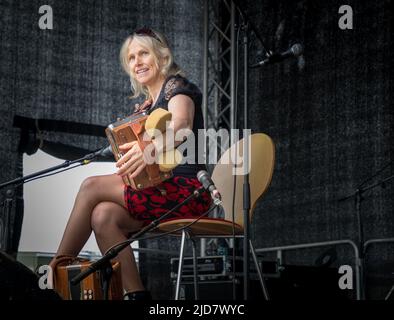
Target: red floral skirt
[151,203]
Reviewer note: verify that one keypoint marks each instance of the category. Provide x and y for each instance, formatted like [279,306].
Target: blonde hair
[159,47]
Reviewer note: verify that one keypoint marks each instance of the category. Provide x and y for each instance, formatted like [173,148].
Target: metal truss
[219,80]
[219,74]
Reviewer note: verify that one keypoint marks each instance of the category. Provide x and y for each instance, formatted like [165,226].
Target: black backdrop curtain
[72,74]
[331,117]
[330,114]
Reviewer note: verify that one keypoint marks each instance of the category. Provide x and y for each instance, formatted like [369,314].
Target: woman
[111,209]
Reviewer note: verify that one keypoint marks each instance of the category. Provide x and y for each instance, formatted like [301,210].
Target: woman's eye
[145,53]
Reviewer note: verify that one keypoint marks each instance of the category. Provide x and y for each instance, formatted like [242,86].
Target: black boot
[138,295]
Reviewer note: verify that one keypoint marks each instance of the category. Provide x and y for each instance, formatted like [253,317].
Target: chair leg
[180,265]
[261,278]
[195,270]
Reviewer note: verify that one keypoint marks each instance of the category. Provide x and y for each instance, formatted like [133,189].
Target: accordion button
[140,186]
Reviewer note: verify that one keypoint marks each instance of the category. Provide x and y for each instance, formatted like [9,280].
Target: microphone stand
[358,198]
[246,184]
[104,262]
[247,25]
[5,225]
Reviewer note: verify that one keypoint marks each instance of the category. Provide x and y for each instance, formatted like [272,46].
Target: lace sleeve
[179,85]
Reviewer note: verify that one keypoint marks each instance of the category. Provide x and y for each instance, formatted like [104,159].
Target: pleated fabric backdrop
[329,113]
[72,73]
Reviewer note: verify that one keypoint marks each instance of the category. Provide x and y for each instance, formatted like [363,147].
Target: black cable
[235,177]
[375,174]
[246,19]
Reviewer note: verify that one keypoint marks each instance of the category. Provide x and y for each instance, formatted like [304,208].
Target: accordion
[90,288]
[132,129]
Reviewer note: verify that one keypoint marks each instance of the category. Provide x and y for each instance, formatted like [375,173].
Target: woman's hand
[132,161]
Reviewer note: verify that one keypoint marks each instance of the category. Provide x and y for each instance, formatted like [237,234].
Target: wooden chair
[262,157]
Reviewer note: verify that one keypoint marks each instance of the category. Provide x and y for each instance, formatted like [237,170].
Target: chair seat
[203,227]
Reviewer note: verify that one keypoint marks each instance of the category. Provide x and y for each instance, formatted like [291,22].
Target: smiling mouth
[141,71]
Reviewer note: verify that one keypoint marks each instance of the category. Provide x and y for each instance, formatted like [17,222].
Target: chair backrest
[261,159]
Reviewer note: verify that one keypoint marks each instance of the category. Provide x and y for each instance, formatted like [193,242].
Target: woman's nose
[137,60]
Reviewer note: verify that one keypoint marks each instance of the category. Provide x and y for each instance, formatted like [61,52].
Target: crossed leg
[99,207]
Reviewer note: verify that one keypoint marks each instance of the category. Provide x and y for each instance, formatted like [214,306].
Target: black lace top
[179,85]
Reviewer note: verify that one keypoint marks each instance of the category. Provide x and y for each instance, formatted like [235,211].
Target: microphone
[295,51]
[206,181]
[105,152]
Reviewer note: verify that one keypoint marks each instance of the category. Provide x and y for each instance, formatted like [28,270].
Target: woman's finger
[127,145]
[125,158]
[128,156]
[138,170]
[125,168]
[129,167]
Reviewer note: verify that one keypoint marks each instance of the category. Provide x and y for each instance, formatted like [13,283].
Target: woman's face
[142,64]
